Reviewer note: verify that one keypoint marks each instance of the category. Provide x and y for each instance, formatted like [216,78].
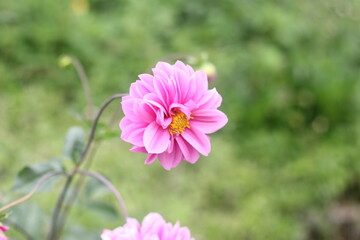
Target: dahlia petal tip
[150,159]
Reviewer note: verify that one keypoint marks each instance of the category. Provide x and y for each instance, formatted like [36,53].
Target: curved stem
[80,182]
[54,221]
[93,128]
[42,180]
[76,191]
[110,186]
[85,84]
[57,209]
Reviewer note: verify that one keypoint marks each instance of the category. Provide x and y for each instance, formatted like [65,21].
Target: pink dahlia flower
[168,114]
[3,229]
[153,227]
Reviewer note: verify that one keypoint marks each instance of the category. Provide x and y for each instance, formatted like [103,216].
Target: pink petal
[134,133]
[191,105]
[185,233]
[180,65]
[146,111]
[108,235]
[138,149]
[172,159]
[164,66]
[161,90]
[177,106]
[182,81]
[161,120]
[147,78]
[172,89]
[136,137]
[198,86]
[201,82]
[130,231]
[128,104]
[173,231]
[211,99]
[198,140]
[124,123]
[171,145]
[156,139]
[192,91]
[161,74]
[189,152]
[186,68]
[150,158]
[155,101]
[208,120]
[138,89]
[152,223]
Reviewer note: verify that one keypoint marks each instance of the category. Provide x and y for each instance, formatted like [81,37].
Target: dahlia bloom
[169,113]
[153,227]
[2,230]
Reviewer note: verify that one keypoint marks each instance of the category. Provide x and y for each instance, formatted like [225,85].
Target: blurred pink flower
[169,113]
[3,229]
[153,227]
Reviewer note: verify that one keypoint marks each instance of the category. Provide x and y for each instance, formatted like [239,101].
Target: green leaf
[28,176]
[31,217]
[74,143]
[4,215]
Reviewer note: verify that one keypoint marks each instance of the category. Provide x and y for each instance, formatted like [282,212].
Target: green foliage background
[289,75]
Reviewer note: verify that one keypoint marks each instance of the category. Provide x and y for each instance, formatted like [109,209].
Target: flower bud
[210,71]
[64,61]
[79,7]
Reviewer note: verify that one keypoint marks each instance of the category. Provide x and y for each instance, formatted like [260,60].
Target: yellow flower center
[179,123]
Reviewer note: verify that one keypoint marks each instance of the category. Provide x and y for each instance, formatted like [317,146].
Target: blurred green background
[287,164]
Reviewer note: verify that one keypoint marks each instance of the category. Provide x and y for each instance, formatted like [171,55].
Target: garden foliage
[289,75]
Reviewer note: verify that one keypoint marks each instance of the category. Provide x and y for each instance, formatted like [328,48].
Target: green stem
[110,186]
[85,84]
[53,234]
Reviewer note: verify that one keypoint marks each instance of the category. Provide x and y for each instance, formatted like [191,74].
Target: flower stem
[77,189]
[42,180]
[110,186]
[93,128]
[85,84]
[53,234]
